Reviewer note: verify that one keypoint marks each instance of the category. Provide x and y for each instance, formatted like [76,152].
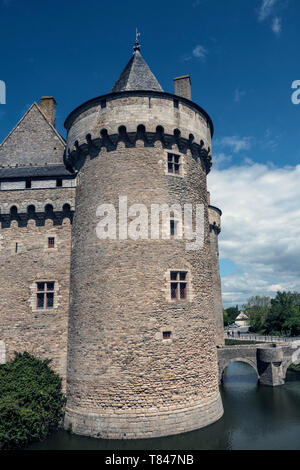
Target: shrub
[31,401]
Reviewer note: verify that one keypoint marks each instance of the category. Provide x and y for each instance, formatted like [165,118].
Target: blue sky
[242,55]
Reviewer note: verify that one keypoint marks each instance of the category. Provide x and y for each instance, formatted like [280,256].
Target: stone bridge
[270,361]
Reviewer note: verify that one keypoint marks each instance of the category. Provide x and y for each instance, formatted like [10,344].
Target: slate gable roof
[35,171]
[33,141]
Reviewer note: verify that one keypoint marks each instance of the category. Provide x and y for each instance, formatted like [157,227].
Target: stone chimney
[182,87]
[48,106]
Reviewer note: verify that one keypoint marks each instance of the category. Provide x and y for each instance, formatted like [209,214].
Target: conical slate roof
[136,76]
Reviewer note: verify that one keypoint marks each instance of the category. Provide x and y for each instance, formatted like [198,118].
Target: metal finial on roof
[137,45]
[137,74]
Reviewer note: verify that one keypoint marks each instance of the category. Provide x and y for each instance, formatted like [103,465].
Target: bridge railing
[260,338]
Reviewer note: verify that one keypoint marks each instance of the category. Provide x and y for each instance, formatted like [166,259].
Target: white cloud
[200,52]
[276,25]
[235,143]
[267,11]
[260,228]
[221,159]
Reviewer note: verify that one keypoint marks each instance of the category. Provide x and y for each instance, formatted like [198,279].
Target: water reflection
[255,417]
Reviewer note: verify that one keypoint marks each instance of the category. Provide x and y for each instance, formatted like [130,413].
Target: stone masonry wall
[134,110]
[33,142]
[23,327]
[119,366]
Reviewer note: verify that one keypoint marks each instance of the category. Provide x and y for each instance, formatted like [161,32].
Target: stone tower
[142,360]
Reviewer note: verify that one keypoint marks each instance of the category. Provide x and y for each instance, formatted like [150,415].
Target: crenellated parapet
[23,216]
[74,159]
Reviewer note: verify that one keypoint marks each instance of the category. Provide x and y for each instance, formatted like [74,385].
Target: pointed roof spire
[137,74]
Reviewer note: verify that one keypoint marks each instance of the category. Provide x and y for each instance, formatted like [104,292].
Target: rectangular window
[178,285]
[45,295]
[28,184]
[166,334]
[50,300]
[174,164]
[173,290]
[173,227]
[176,103]
[59,182]
[103,103]
[51,242]
[40,301]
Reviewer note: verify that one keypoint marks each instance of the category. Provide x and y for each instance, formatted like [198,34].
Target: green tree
[31,401]
[231,314]
[284,315]
[257,309]
[225,318]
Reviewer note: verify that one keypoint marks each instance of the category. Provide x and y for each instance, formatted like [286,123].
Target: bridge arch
[286,364]
[223,365]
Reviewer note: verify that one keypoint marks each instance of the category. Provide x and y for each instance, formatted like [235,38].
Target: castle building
[130,322]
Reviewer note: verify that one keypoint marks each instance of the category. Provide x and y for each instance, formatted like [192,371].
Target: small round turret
[214,215]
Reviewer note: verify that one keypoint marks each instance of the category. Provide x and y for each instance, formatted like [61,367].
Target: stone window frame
[179,281]
[159,335]
[55,247]
[34,292]
[189,286]
[182,172]
[45,292]
[51,243]
[17,243]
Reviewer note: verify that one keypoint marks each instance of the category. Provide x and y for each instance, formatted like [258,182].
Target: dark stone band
[75,159]
[39,218]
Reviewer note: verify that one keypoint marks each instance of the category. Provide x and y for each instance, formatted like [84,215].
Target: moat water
[255,417]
